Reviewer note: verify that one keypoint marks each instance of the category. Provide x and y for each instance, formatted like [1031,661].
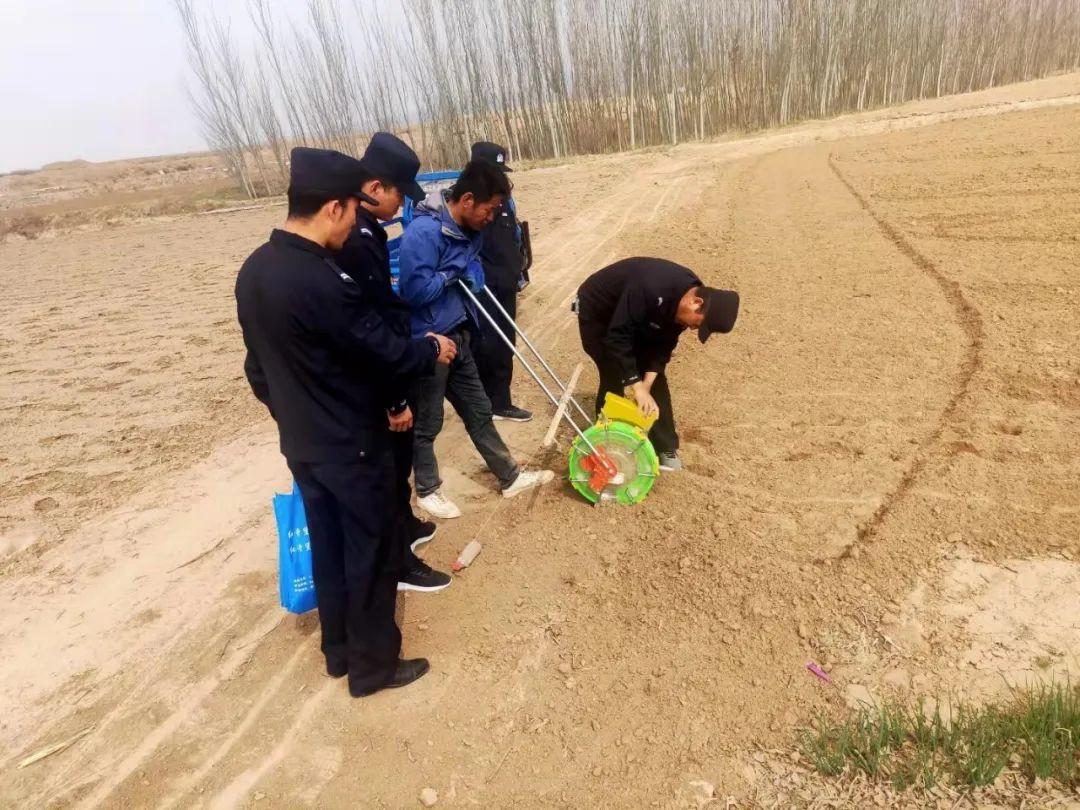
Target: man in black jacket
[314,346]
[390,168]
[502,257]
[630,315]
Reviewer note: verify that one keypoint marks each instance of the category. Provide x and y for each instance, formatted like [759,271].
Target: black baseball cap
[721,309]
[389,158]
[324,171]
[490,153]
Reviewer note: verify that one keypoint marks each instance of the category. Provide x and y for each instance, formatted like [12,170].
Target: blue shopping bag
[295,580]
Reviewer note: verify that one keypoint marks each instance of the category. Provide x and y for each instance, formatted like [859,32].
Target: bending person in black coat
[630,315]
[315,346]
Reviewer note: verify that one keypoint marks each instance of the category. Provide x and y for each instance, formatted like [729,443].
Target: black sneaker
[423,531]
[424,578]
[512,414]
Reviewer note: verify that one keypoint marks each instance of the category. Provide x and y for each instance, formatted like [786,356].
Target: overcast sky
[94,79]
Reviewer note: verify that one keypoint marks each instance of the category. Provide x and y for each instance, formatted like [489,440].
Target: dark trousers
[460,383]
[401,445]
[664,437]
[356,556]
[494,359]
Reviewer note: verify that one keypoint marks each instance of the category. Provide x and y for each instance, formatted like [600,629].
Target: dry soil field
[883,477]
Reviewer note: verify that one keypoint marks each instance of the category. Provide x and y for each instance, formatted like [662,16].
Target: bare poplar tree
[550,78]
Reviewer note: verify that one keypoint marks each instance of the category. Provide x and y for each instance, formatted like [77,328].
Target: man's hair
[305,205]
[481,179]
[367,177]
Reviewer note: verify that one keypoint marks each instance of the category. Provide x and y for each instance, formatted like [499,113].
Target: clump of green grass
[1038,730]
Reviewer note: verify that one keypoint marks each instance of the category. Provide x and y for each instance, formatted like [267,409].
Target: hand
[401,422]
[474,276]
[447,348]
[644,399]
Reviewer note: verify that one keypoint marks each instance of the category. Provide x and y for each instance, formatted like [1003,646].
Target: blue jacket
[435,253]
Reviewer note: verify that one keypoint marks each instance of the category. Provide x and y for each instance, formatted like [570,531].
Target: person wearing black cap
[501,254]
[390,167]
[630,315]
[314,347]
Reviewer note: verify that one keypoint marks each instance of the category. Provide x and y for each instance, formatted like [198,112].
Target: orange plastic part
[600,468]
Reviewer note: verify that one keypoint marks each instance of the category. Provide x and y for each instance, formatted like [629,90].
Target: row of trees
[550,78]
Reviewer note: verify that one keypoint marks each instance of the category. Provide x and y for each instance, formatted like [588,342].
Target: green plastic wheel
[632,453]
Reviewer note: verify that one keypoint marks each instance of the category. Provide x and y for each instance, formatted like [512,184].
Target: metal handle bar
[543,362]
[525,363]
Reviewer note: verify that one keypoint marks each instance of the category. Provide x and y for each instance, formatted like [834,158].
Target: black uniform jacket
[366,258]
[630,305]
[500,251]
[317,350]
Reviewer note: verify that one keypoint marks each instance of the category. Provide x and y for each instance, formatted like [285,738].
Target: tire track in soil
[195,696]
[272,689]
[970,320]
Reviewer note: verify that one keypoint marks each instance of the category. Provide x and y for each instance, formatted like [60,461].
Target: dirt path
[904,371]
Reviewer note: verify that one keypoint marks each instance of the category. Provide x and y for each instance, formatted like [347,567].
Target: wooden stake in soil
[564,400]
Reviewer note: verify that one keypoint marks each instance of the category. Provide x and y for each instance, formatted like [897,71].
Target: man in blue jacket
[439,251]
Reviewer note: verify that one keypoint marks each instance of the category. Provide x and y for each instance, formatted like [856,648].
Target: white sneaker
[528,480]
[670,462]
[438,505]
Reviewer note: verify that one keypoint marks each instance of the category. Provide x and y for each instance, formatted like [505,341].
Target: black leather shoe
[337,667]
[408,670]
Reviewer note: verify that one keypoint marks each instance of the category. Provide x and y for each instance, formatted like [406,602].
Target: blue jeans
[460,383]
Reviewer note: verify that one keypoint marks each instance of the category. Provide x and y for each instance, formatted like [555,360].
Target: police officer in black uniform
[315,346]
[390,168]
[630,315]
[503,261]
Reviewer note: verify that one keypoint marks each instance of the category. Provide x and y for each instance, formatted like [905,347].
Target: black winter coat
[317,349]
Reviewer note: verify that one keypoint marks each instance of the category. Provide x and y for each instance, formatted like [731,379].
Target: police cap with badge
[324,172]
[490,153]
[388,158]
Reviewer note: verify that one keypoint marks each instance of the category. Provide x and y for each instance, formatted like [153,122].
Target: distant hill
[66,164]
